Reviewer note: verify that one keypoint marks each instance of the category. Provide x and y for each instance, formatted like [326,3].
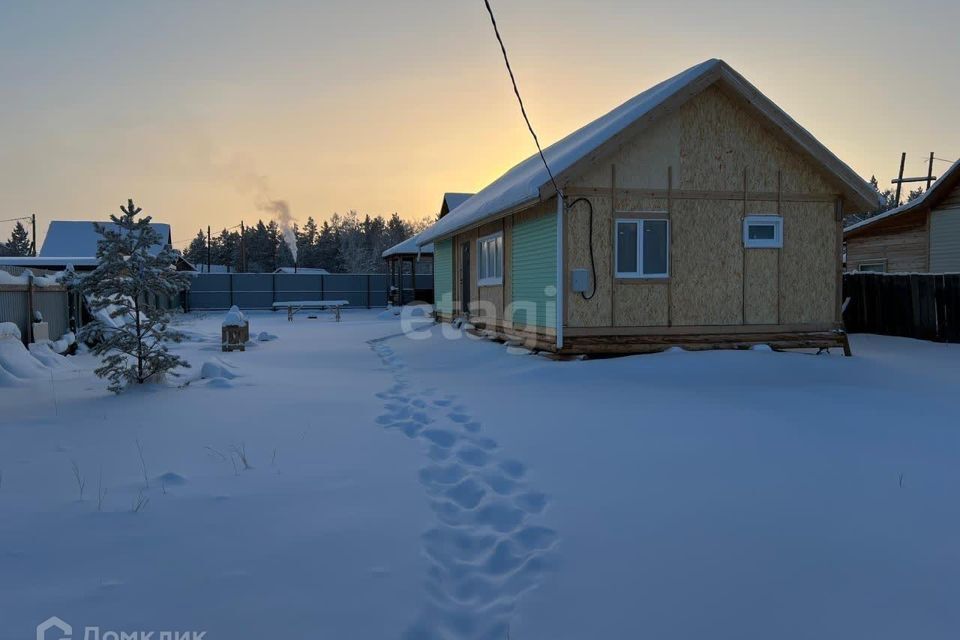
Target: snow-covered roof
[79,237]
[939,188]
[453,200]
[41,262]
[409,246]
[306,270]
[529,182]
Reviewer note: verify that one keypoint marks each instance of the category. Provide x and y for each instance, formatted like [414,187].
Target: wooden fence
[924,306]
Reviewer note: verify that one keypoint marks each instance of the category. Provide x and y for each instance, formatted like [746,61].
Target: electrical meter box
[580,280]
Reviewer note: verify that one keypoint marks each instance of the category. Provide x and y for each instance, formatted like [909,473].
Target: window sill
[490,282]
[763,246]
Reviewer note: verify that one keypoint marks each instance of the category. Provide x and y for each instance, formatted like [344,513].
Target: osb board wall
[595,312]
[808,263]
[720,137]
[760,270]
[604,309]
[642,160]
[641,305]
[706,284]
[709,144]
[901,244]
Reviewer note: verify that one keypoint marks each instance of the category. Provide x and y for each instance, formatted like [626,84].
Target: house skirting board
[628,340]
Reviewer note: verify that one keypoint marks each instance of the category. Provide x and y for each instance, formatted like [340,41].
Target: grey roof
[943,184]
[529,182]
[79,238]
[454,200]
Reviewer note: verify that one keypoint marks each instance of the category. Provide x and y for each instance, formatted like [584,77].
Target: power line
[516,91]
[15,219]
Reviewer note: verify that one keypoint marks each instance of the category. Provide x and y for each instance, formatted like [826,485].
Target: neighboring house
[696,213]
[202,267]
[451,201]
[79,238]
[305,270]
[73,243]
[922,236]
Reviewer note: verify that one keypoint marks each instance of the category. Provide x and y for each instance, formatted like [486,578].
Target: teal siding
[534,270]
[443,276]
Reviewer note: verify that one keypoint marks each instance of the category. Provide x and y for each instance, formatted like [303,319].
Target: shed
[697,213]
[921,236]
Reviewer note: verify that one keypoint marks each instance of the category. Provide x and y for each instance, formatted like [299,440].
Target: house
[921,236]
[304,270]
[697,213]
[451,201]
[79,238]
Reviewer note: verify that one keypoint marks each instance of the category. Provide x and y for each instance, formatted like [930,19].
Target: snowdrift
[18,364]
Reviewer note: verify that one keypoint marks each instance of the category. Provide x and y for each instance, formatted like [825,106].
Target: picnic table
[293,306]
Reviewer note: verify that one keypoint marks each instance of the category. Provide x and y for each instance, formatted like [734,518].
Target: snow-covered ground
[447,488]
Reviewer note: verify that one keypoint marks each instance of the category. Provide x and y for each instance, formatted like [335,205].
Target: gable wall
[708,145]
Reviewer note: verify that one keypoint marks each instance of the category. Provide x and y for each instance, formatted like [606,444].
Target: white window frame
[639,274]
[775,243]
[484,277]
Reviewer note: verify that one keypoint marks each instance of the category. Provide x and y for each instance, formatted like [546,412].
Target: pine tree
[914,194]
[129,331]
[19,243]
[196,253]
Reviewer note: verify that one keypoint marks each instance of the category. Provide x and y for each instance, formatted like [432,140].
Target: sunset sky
[197,109]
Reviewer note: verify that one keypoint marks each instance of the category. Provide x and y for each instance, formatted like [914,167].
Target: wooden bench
[293,306]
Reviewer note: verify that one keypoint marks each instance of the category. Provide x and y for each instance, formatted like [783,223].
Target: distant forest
[344,244]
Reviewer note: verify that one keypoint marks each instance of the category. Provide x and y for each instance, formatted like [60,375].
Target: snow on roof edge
[522,182]
[520,186]
[408,246]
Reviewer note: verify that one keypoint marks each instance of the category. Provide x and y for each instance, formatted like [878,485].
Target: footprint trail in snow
[484,551]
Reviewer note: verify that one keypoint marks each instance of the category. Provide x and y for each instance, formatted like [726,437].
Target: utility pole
[33,225]
[899,180]
[208,247]
[243,247]
[929,178]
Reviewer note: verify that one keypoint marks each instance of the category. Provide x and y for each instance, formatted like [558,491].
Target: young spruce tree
[131,333]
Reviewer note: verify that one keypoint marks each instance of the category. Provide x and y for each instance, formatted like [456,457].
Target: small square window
[763,232]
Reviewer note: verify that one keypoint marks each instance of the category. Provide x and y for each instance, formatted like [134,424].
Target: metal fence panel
[261,290]
[52,303]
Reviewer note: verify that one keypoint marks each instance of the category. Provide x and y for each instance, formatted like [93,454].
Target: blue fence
[261,290]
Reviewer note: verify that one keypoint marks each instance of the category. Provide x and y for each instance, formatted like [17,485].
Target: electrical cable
[516,92]
[593,266]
